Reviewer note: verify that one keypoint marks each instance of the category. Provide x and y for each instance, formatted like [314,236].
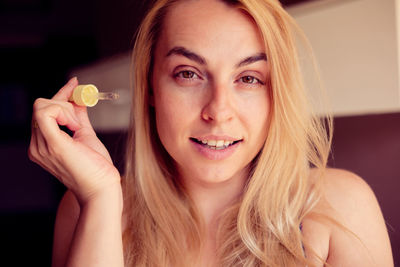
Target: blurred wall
[356,45]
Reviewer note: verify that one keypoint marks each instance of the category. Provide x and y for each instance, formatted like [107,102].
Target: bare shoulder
[359,237]
[66,220]
[342,182]
[348,194]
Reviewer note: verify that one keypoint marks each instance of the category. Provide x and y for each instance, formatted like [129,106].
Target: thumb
[82,114]
[66,91]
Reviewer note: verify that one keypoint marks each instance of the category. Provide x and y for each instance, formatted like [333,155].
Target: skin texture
[214,93]
[219,99]
[193,99]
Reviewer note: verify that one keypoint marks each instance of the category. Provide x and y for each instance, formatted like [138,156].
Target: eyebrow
[186,53]
[179,50]
[252,59]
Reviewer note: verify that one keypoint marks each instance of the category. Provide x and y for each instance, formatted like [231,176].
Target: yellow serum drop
[88,95]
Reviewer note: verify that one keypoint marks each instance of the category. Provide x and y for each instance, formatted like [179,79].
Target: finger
[68,118]
[41,144]
[48,119]
[82,115]
[71,107]
[66,91]
[80,112]
[68,108]
[38,149]
[39,153]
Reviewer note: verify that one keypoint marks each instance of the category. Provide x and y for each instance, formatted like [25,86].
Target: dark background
[42,40]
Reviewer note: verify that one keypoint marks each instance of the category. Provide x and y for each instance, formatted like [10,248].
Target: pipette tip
[108,96]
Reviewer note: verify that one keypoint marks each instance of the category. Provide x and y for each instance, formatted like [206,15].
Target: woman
[218,160]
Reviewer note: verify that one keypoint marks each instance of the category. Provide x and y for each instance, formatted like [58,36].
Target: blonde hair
[263,228]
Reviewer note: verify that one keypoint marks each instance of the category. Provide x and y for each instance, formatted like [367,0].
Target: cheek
[175,107]
[165,117]
[172,117]
[257,122]
[255,114]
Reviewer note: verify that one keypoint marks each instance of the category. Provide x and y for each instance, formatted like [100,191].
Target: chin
[213,177]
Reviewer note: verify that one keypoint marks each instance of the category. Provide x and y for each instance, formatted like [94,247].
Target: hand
[80,162]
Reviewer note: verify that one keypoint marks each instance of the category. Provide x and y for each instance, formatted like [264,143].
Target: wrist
[110,195]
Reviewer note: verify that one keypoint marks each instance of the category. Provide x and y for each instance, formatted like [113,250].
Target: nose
[219,106]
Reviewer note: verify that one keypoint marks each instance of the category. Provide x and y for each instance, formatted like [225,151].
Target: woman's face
[210,90]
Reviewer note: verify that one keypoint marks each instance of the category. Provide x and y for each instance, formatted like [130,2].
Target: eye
[186,74]
[250,80]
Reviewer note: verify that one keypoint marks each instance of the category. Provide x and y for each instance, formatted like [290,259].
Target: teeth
[217,144]
[211,142]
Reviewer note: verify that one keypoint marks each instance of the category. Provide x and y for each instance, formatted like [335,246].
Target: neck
[212,199]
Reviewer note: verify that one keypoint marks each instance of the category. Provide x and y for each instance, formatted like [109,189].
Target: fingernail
[73,79]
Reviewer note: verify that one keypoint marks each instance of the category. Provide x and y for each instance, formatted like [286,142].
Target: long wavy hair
[263,227]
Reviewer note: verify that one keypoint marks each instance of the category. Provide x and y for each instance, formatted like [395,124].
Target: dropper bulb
[88,95]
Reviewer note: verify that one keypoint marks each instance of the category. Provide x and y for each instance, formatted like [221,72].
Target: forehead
[204,24]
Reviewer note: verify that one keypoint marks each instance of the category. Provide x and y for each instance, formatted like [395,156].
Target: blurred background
[45,42]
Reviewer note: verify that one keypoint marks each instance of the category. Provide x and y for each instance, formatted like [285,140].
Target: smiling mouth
[215,144]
